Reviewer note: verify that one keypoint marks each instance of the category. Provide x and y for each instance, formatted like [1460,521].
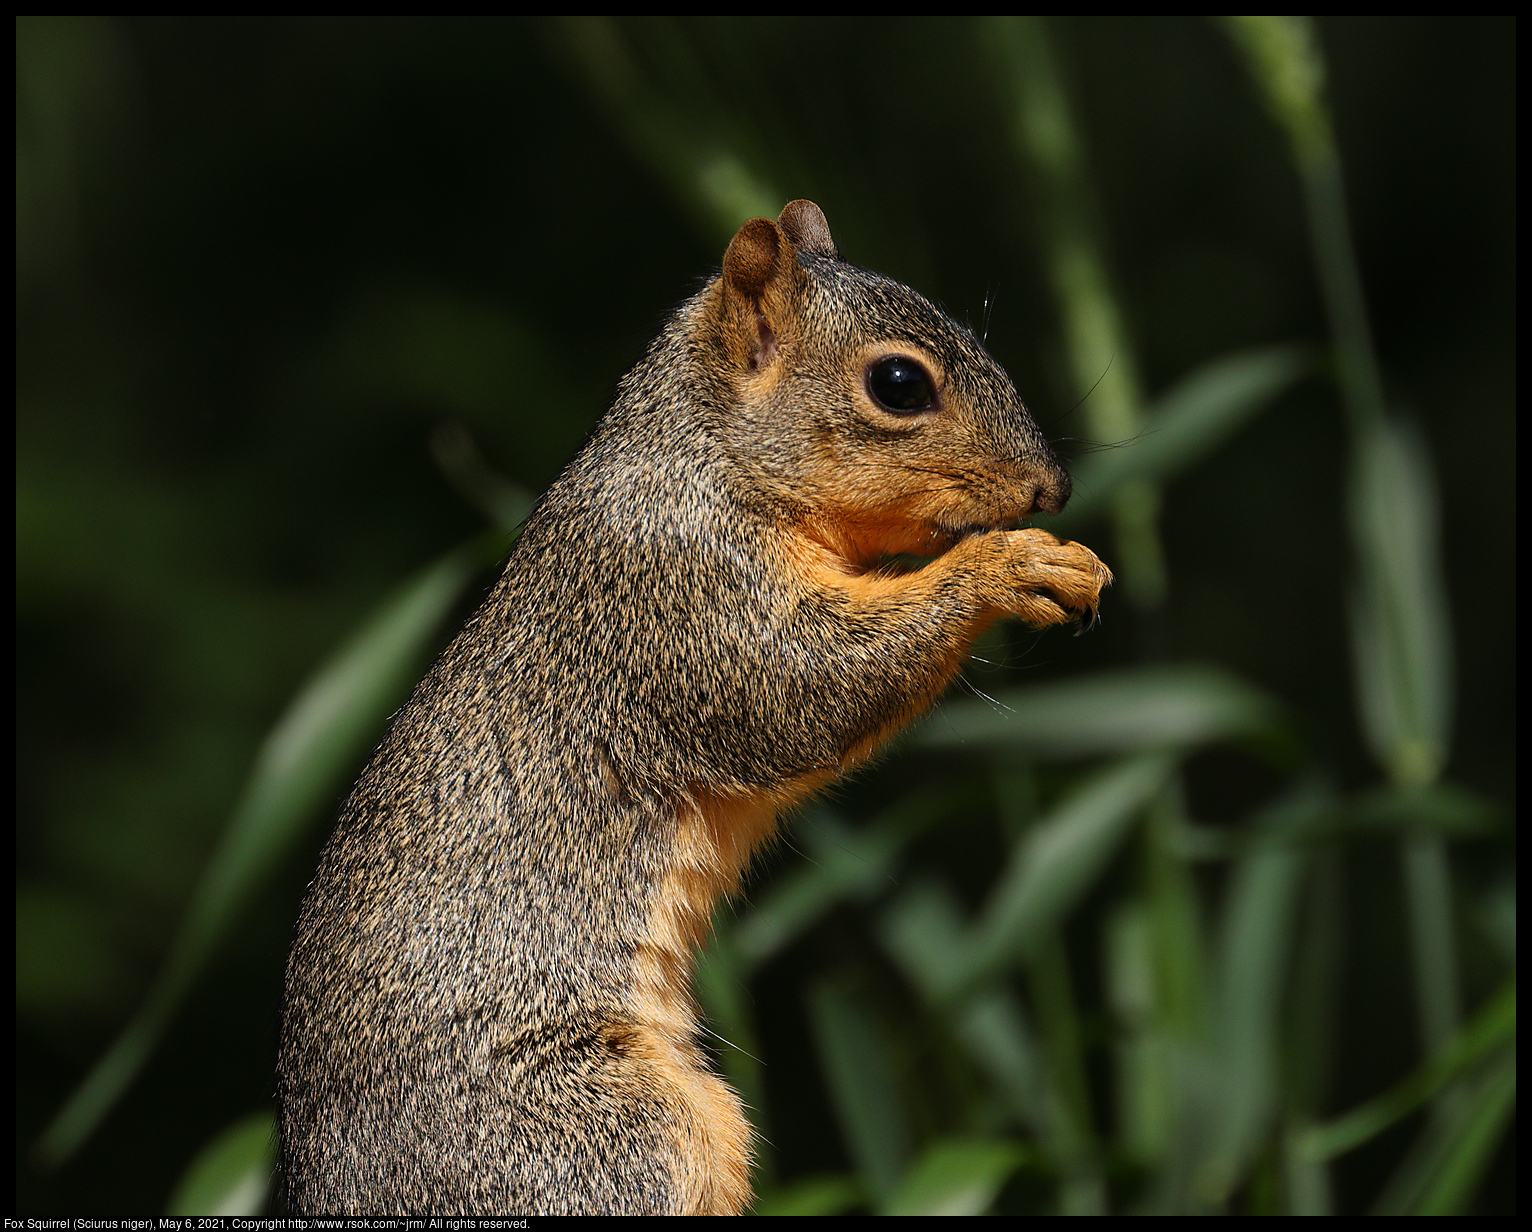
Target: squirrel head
[881,423]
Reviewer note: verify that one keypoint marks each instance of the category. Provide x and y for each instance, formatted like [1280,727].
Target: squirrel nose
[1052,494]
[1041,485]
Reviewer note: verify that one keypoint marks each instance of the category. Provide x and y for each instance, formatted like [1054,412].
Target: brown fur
[488,1007]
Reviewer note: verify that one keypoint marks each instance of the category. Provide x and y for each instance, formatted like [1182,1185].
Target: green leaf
[671,125]
[862,1085]
[1113,712]
[329,725]
[818,1195]
[924,932]
[959,1177]
[848,863]
[1058,862]
[1401,633]
[1493,1027]
[1147,1100]
[1283,56]
[1255,946]
[1469,1148]
[923,929]
[1442,808]
[996,1033]
[1443,1169]
[232,1174]
[1187,423]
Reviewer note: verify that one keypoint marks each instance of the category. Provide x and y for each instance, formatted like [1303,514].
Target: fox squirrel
[487,1006]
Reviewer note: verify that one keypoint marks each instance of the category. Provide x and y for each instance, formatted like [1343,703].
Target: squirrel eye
[901,385]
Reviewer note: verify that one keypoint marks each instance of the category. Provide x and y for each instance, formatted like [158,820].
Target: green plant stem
[684,145]
[1284,57]
[1493,1027]
[1428,887]
[1100,357]
[1083,1191]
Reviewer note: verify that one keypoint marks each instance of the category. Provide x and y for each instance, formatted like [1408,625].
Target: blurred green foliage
[1212,910]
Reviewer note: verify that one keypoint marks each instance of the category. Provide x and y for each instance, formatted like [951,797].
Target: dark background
[260,262]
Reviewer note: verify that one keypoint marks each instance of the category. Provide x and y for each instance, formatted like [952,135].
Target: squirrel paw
[1048,581]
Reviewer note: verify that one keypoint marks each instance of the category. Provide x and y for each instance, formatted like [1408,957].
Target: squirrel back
[487,1005]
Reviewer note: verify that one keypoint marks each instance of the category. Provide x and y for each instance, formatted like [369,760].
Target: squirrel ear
[805,225]
[754,254]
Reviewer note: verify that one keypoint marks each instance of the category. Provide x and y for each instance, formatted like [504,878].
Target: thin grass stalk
[1312,1031]
[1082,1189]
[1100,358]
[860,1078]
[1284,58]
[686,147]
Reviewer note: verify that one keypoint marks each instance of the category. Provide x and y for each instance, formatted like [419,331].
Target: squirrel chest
[487,1007]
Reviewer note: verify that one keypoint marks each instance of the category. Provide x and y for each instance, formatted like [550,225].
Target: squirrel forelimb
[920,625]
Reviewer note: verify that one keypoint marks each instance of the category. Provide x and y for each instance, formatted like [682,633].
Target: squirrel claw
[1088,620]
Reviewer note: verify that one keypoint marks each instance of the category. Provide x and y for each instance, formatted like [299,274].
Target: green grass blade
[1175,919]
[678,137]
[1312,1028]
[1463,1133]
[1099,351]
[958,1177]
[1059,861]
[1082,1189]
[1306,1183]
[1284,59]
[996,1033]
[1399,617]
[1468,1151]
[1433,936]
[1493,1027]
[922,930]
[1109,713]
[847,863]
[328,726]
[1184,425]
[1256,938]
[1402,648]
[1438,808]
[1255,949]
[818,1195]
[862,1085]
[1143,1045]
[232,1174]
[1049,148]
[1402,636]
